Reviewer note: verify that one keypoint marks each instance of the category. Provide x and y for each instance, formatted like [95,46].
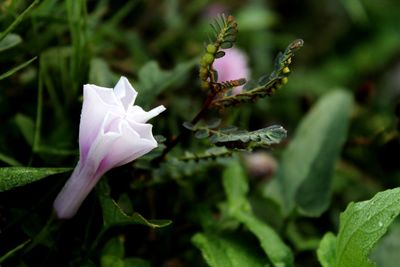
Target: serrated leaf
[362,224]
[304,176]
[10,41]
[242,139]
[11,177]
[327,250]
[221,251]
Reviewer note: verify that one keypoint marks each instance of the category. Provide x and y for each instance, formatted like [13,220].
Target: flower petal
[137,114]
[130,145]
[98,101]
[125,92]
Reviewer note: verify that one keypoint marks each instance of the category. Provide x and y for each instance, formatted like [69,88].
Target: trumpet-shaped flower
[112,132]
[232,66]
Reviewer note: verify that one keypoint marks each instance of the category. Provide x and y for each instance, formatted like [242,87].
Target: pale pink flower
[232,66]
[112,132]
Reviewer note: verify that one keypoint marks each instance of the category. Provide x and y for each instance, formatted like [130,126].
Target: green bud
[212,49]
[207,58]
[286,70]
[285,80]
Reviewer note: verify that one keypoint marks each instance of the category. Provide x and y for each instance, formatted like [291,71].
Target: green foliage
[304,179]
[10,41]
[226,252]
[11,177]
[362,224]
[236,188]
[267,85]
[17,68]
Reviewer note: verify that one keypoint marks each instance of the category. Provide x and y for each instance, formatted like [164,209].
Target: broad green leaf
[236,188]
[17,68]
[10,41]
[226,252]
[26,126]
[11,177]
[327,250]
[304,176]
[362,224]
[386,252]
[114,215]
[153,80]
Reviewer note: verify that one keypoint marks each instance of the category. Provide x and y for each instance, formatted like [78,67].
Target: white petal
[125,92]
[137,114]
[94,110]
[129,146]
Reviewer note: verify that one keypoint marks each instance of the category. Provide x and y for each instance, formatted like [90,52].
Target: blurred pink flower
[112,132]
[232,66]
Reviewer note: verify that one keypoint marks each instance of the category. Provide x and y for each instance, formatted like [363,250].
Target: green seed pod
[212,49]
[203,73]
[285,80]
[208,58]
[286,70]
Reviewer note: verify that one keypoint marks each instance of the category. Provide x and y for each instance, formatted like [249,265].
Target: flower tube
[112,132]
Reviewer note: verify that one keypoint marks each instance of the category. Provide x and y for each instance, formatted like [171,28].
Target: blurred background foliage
[349,44]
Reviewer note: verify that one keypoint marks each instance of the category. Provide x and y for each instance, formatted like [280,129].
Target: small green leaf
[188,126]
[327,250]
[10,41]
[362,224]
[114,247]
[219,54]
[221,251]
[200,134]
[213,123]
[11,177]
[304,176]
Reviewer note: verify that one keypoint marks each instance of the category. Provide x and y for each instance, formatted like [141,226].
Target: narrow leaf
[17,68]
[11,177]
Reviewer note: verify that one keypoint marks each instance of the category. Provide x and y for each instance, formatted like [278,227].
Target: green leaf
[327,250]
[136,262]
[17,68]
[10,41]
[113,214]
[101,74]
[26,126]
[153,80]
[236,188]
[304,176]
[11,177]
[242,139]
[386,251]
[14,250]
[226,252]
[362,224]
[113,253]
